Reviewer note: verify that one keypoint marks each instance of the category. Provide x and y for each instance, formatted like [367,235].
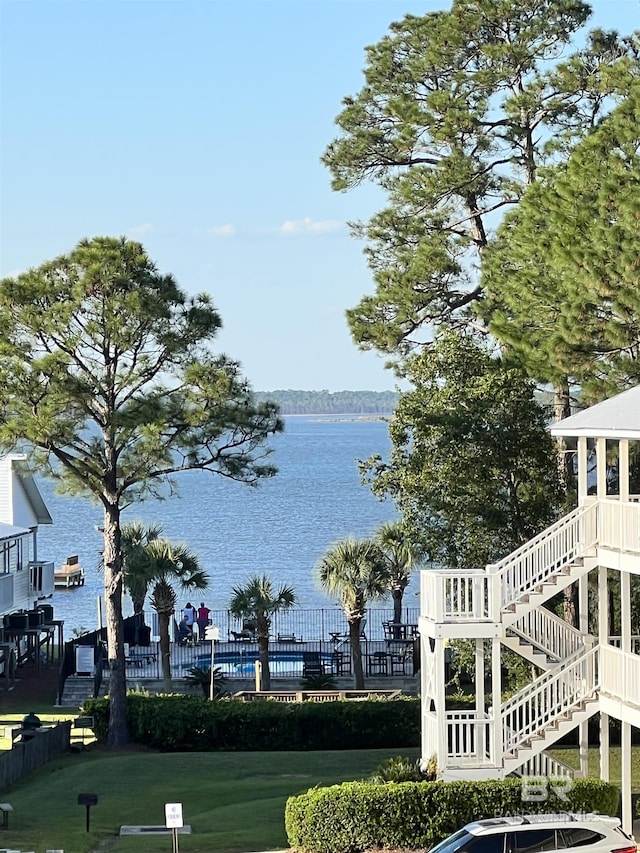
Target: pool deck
[379,657]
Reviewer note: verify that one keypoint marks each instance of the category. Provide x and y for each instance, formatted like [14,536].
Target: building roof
[10,531]
[617,417]
[36,500]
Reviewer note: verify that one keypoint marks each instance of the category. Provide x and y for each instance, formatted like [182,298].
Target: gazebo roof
[617,417]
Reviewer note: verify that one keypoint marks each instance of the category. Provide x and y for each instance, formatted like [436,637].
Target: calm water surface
[282,528]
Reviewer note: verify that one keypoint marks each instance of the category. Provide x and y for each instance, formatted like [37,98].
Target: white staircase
[543,638]
[549,708]
[510,595]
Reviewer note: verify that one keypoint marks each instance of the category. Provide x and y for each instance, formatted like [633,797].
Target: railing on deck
[540,558]
[480,594]
[548,633]
[620,674]
[550,696]
[619,525]
[41,578]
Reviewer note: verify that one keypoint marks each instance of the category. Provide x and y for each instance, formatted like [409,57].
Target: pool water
[235,663]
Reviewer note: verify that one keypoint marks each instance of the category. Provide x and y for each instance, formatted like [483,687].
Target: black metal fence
[317,625]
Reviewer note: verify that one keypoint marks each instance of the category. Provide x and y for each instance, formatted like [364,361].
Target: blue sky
[197,128]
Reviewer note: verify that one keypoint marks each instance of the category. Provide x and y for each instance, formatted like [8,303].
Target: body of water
[282,527]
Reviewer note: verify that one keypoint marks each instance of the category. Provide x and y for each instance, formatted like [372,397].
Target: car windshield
[452,843]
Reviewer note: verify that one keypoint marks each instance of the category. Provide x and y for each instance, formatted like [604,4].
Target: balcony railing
[41,580]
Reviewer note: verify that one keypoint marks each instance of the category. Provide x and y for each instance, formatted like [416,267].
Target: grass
[233,801]
[571,757]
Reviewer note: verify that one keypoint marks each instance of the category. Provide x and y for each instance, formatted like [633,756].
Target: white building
[501,605]
[25,579]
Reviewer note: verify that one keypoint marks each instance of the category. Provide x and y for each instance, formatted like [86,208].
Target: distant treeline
[331,402]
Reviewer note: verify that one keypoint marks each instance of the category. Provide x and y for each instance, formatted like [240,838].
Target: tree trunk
[396,595]
[164,620]
[118,733]
[263,656]
[356,652]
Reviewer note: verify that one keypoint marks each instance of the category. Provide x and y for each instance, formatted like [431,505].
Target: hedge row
[177,723]
[357,816]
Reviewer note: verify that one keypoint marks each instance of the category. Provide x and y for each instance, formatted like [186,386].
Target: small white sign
[212,632]
[173,815]
[84,659]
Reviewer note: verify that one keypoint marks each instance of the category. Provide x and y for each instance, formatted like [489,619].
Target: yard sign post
[173,820]
[212,632]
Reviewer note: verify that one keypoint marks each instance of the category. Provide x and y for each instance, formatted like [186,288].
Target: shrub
[357,816]
[403,769]
[179,722]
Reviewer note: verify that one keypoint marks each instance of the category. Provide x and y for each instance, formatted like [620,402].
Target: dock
[69,574]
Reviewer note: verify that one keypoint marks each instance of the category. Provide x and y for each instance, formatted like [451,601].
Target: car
[540,833]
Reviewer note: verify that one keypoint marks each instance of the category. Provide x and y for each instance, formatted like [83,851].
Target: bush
[175,723]
[357,816]
[403,769]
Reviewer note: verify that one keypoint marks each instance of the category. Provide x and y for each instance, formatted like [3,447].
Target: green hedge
[357,816]
[175,723]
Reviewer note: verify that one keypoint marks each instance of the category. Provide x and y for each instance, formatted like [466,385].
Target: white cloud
[140,230]
[309,226]
[227,230]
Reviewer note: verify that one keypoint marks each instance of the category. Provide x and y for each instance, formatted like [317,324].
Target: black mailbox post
[87,800]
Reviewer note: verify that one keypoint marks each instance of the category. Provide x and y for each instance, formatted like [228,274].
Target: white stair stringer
[549,708]
[543,639]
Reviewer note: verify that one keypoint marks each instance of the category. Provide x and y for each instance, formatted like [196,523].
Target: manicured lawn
[233,801]
[571,757]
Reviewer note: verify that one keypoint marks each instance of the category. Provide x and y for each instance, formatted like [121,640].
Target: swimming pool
[243,665]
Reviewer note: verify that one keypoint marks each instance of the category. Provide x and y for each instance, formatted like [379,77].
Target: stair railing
[546,766]
[539,559]
[549,634]
[550,696]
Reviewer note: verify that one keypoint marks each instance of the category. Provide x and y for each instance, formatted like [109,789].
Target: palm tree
[354,571]
[258,600]
[401,556]
[137,577]
[170,565]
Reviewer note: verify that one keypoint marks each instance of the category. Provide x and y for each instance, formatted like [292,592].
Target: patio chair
[341,663]
[312,664]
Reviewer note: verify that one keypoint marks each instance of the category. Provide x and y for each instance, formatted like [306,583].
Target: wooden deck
[68,576]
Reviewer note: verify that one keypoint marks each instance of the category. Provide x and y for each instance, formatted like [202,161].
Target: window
[486,844]
[533,841]
[453,842]
[579,836]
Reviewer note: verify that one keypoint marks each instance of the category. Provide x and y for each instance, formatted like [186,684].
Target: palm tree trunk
[165,649]
[263,655]
[396,595]
[356,652]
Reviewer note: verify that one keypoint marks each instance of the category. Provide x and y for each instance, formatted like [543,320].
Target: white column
[582,469]
[480,730]
[479,661]
[623,468]
[625,749]
[625,611]
[496,701]
[601,467]
[439,703]
[603,635]
[583,612]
